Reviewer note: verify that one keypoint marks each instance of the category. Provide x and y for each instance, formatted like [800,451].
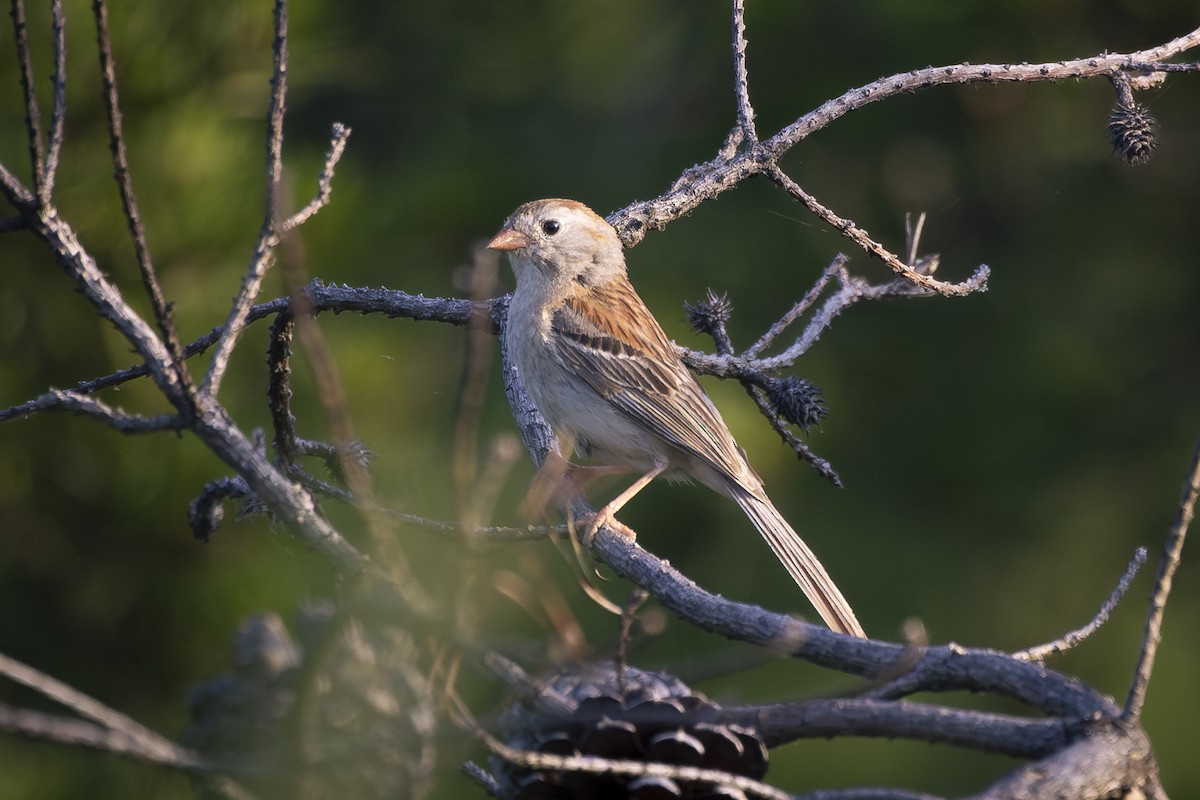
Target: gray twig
[336,299]
[269,235]
[140,739]
[741,80]
[836,267]
[732,165]
[59,115]
[163,311]
[782,723]
[1073,638]
[89,406]
[279,388]
[337,146]
[977,282]
[1167,565]
[33,115]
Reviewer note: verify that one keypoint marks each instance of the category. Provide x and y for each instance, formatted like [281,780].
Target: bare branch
[483,778]
[141,739]
[76,732]
[947,668]
[15,191]
[912,238]
[836,267]
[337,146]
[1107,762]
[163,314]
[269,235]
[741,81]
[59,115]
[1091,67]
[1172,551]
[72,732]
[536,434]
[975,283]
[1069,640]
[705,181]
[335,299]
[497,532]
[88,406]
[275,119]
[852,290]
[782,723]
[279,388]
[294,505]
[940,668]
[64,243]
[33,115]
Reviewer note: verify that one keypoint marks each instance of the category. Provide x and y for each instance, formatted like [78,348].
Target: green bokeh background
[1003,454]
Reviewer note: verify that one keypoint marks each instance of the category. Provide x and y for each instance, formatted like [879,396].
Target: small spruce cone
[657,719]
[1131,131]
[796,400]
[710,315]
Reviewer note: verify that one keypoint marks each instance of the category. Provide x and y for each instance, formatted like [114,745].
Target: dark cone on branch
[710,315]
[657,719]
[1131,131]
[796,400]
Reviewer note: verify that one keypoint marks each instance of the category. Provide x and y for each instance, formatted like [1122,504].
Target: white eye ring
[550,227]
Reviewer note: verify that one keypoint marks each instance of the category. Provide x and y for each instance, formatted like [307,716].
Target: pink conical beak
[508,239]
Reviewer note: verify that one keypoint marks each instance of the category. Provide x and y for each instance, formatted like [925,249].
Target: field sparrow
[605,376]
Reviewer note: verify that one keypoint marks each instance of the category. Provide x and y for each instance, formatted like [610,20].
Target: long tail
[801,562]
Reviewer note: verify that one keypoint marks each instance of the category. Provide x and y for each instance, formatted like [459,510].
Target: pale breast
[577,413]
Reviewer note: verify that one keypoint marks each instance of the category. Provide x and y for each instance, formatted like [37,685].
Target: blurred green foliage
[1003,454]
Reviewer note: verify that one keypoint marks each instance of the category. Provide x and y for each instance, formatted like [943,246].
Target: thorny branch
[33,115]
[86,405]
[1172,553]
[1077,636]
[210,422]
[733,165]
[58,117]
[108,730]
[163,314]
[87,706]
[268,238]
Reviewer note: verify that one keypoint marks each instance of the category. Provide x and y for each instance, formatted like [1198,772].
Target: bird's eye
[551,227]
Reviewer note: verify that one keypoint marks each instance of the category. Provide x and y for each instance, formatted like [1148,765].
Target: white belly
[580,417]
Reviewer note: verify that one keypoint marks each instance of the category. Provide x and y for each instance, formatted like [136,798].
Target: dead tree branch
[1172,553]
[163,314]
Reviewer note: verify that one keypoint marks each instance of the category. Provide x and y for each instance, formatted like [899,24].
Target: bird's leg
[606,514]
[559,481]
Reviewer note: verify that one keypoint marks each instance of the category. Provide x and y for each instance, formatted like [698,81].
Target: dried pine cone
[1131,131]
[348,715]
[710,315]
[657,719]
[796,400]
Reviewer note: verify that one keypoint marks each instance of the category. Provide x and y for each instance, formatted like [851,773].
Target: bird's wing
[611,341]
